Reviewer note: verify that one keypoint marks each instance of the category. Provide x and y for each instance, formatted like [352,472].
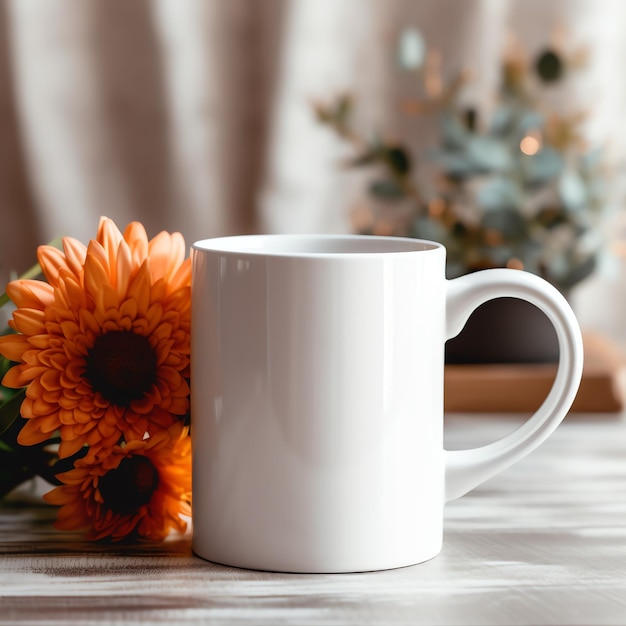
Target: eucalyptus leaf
[499,194]
[596,192]
[550,217]
[499,255]
[470,118]
[454,133]
[453,164]
[549,66]
[426,228]
[399,160]
[488,154]
[578,273]
[502,121]
[386,190]
[508,222]
[541,168]
[530,120]
[593,158]
[572,191]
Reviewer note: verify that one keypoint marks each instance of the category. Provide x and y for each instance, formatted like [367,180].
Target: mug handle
[465,469]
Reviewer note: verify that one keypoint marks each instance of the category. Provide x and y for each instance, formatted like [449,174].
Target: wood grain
[543,543]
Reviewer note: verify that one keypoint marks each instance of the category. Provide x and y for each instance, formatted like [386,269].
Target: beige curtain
[136,109]
[196,115]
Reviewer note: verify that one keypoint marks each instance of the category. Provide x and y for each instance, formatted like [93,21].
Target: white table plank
[543,543]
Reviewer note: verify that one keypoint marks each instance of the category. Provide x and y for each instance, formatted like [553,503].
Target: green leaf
[487,154]
[5,366]
[399,160]
[506,221]
[499,193]
[386,190]
[549,66]
[453,131]
[10,410]
[550,217]
[577,274]
[470,118]
[543,167]
[427,228]
[572,191]
[502,121]
[454,165]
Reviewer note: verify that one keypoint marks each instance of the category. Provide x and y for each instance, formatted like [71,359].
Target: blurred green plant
[520,189]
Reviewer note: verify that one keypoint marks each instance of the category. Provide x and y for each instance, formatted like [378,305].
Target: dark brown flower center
[121,365]
[129,486]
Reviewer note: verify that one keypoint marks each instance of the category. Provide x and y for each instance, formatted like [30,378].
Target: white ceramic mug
[317,367]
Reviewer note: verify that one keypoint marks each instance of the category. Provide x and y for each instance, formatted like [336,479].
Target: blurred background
[214,118]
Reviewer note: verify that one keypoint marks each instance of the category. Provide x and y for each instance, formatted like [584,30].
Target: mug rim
[283,245]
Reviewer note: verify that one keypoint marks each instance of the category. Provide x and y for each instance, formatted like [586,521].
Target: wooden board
[523,387]
[542,543]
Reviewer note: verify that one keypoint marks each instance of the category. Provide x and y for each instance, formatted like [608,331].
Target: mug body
[317,401]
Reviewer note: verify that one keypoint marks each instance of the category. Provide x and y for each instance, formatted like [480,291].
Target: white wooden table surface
[543,543]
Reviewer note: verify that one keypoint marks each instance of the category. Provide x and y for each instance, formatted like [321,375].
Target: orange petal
[68,447]
[18,376]
[123,268]
[59,496]
[109,236]
[31,294]
[137,240]
[88,321]
[30,434]
[29,321]
[96,270]
[143,406]
[51,380]
[181,278]
[48,423]
[70,329]
[139,287]
[129,309]
[180,300]
[41,342]
[166,252]
[106,299]
[75,253]
[68,517]
[70,292]
[13,346]
[51,260]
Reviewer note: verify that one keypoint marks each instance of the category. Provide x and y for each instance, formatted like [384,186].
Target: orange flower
[103,345]
[137,490]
